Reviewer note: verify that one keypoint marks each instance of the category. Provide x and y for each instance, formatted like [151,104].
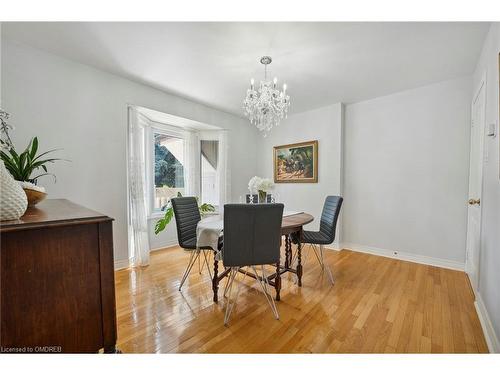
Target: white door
[475,186]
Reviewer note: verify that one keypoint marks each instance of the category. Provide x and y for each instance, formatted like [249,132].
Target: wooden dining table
[291,225]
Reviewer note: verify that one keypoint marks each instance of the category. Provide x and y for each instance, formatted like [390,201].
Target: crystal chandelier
[266,106]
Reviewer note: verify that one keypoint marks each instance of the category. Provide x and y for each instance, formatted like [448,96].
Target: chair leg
[226,287]
[230,305]
[318,257]
[194,255]
[321,260]
[328,271]
[215,280]
[232,275]
[263,284]
[206,263]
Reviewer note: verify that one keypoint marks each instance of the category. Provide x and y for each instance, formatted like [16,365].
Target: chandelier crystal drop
[267,105]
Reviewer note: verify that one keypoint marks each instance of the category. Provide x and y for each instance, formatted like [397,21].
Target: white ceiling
[322,63]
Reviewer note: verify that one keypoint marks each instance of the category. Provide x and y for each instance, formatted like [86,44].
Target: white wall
[489,275]
[84,111]
[406,172]
[0,64]
[325,125]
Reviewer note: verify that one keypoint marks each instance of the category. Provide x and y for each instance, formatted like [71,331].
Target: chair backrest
[330,215]
[187,216]
[252,234]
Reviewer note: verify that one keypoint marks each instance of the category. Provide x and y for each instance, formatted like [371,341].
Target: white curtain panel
[137,197]
[223,171]
[192,157]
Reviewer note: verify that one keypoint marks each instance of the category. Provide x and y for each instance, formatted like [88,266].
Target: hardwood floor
[378,305]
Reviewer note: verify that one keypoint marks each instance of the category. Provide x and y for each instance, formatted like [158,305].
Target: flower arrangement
[261,186]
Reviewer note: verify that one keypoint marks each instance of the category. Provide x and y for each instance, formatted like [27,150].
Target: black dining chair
[252,237]
[187,215]
[326,233]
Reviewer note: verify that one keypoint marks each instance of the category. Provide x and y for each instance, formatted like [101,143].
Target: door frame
[481,85]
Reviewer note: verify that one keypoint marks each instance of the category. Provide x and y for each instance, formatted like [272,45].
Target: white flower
[266,185]
[257,183]
[254,183]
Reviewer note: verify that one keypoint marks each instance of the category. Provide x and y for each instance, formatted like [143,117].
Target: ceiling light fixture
[266,106]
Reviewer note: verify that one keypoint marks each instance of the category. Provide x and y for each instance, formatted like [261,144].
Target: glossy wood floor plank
[377,305]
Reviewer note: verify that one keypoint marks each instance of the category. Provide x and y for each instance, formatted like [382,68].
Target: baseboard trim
[422,259]
[125,263]
[166,246]
[334,246]
[121,264]
[395,254]
[488,330]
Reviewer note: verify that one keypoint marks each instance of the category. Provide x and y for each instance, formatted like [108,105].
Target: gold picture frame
[296,163]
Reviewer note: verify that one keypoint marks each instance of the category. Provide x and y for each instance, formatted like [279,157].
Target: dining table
[211,228]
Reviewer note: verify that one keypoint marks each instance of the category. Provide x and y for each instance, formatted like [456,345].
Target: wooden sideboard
[57,290]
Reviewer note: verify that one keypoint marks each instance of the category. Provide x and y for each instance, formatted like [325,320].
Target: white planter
[13,201]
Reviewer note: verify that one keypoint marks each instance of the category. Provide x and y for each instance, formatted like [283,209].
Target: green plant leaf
[43,174]
[205,207]
[164,221]
[47,152]
[22,160]
[7,159]
[14,155]
[34,147]
[39,163]
[10,167]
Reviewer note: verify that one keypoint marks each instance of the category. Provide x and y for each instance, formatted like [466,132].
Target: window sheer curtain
[192,158]
[223,171]
[137,193]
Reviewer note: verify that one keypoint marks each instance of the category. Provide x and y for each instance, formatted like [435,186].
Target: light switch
[491,130]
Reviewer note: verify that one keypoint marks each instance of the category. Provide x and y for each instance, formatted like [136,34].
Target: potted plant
[24,166]
[161,224]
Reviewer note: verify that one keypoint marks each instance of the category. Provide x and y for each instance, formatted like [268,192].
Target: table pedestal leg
[112,349]
[215,281]
[299,262]
[277,281]
[287,251]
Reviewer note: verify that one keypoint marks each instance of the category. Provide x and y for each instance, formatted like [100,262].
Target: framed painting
[297,162]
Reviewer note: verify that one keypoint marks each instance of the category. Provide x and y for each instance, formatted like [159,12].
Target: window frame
[210,135]
[205,138]
[170,131]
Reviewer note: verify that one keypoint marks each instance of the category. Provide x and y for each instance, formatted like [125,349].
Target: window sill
[159,215]
[156,215]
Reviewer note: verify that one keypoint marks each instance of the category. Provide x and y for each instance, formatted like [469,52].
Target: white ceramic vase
[13,200]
